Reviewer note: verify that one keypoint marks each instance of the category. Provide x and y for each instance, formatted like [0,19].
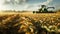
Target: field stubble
[22,22]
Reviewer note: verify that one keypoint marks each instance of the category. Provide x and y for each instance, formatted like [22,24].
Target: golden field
[29,23]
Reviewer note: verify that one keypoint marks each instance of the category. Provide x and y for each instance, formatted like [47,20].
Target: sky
[32,5]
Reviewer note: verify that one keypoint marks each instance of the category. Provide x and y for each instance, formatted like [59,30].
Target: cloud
[47,2]
[38,5]
[15,1]
[21,4]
